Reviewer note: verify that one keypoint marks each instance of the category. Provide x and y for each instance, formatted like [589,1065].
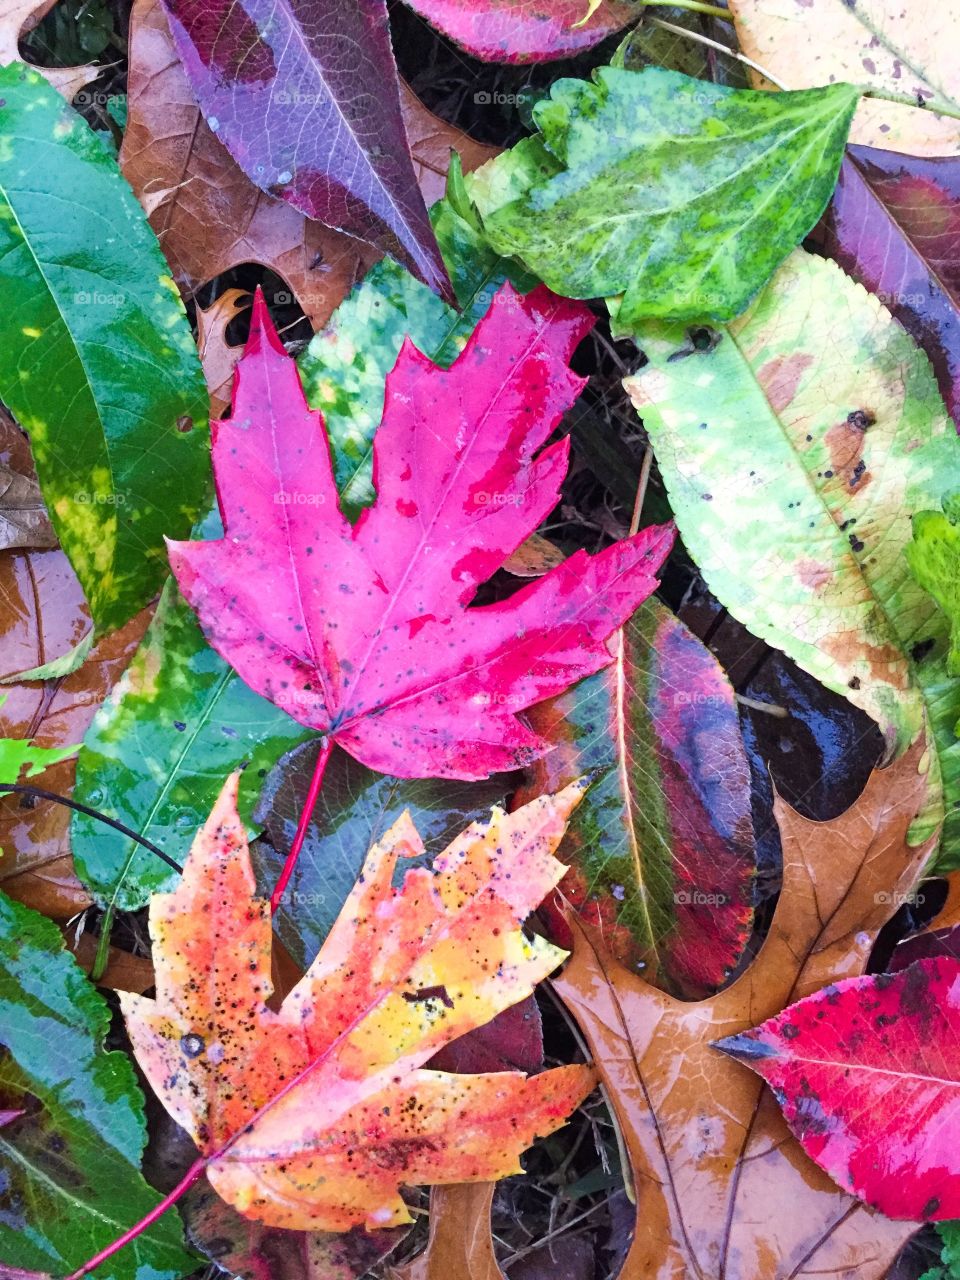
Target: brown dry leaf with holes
[460,1245]
[17,19]
[217,356]
[23,514]
[879,44]
[706,1140]
[42,616]
[207,214]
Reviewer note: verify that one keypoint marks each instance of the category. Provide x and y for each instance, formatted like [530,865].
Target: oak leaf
[312,1116]
[706,1141]
[363,631]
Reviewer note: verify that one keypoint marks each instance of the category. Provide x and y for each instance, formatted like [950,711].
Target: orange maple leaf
[311,1117]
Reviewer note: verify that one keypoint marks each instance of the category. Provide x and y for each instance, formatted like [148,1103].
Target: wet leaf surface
[355,809]
[361,632]
[311,1117]
[894,225]
[662,845]
[613,216]
[73,1155]
[307,101]
[866,1073]
[706,1142]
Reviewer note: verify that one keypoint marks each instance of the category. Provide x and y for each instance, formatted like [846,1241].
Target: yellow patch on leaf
[313,1116]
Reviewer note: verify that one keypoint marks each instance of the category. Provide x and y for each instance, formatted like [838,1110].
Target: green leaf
[17,755]
[934,557]
[96,357]
[70,1162]
[155,756]
[345,366]
[661,846]
[794,445]
[681,194]
[949,1269]
[355,808]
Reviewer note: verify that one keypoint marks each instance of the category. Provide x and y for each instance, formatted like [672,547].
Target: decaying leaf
[218,357]
[793,464]
[722,1188]
[17,19]
[23,514]
[881,44]
[312,1116]
[362,631]
[525,30]
[460,1243]
[306,98]
[661,849]
[866,1072]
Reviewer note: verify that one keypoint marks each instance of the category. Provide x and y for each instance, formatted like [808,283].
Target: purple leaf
[304,95]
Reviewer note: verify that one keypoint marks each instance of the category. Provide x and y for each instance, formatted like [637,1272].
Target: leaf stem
[193,1174]
[308,806]
[914,100]
[721,48]
[695,6]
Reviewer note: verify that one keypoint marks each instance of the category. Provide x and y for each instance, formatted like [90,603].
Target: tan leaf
[879,44]
[217,356]
[460,1245]
[706,1141]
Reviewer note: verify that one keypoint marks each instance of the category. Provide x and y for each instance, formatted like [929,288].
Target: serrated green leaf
[934,557]
[355,807]
[680,194]
[155,756]
[71,1162]
[96,356]
[345,366]
[794,445]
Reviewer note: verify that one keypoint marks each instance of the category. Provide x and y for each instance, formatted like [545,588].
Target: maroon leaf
[524,30]
[925,946]
[894,225]
[304,95]
[513,1041]
[867,1072]
[363,631]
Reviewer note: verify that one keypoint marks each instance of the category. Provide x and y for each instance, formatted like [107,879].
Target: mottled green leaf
[157,751]
[345,366]
[661,846]
[96,357]
[949,1268]
[794,445]
[354,809]
[680,194]
[934,557]
[70,1163]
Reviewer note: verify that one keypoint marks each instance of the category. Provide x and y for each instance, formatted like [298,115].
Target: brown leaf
[460,1245]
[42,616]
[722,1187]
[207,214]
[534,557]
[17,19]
[124,971]
[217,356]
[23,515]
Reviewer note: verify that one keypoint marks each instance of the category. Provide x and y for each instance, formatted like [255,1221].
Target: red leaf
[894,225]
[362,631]
[523,30]
[867,1072]
[305,97]
[512,1041]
